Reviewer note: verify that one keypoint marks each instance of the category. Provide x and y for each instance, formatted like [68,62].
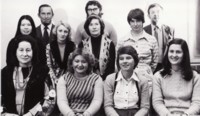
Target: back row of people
[98,43]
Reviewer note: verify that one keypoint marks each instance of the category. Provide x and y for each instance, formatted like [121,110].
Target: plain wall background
[180,14]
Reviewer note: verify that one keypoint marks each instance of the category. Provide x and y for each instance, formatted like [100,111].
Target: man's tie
[156,32]
[46,35]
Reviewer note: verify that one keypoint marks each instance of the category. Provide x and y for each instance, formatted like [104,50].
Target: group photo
[100,58]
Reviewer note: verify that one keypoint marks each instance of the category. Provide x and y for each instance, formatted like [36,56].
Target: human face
[62,33]
[25,27]
[126,62]
[175,54]
[24,54]
[80,65]
[95,27]
[155,14]
[136,25]
[46,15]
[93,10]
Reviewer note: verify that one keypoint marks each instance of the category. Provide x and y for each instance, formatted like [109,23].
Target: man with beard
[93,7]
[162,33]
[44,30]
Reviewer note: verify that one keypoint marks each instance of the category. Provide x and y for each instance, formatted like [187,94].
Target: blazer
[167,34]
[39,34]
[34,92]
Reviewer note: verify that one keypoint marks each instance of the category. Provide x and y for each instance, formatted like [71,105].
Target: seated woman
[80,91]
[176,88]
[26,26]
[99,45]
[126,92]
[58,50]
[23,84]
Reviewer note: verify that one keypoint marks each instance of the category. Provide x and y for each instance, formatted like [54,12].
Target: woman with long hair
[176,88]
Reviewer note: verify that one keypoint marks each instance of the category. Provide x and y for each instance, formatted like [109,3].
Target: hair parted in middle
[86,55]
[34,46]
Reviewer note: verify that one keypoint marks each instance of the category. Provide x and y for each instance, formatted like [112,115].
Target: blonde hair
[66,25]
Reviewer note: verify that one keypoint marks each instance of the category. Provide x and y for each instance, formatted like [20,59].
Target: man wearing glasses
[93,7]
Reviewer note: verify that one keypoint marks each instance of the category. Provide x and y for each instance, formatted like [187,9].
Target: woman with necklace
[176,88]
[126,93]
[80,91]
[23,82]
[100,45]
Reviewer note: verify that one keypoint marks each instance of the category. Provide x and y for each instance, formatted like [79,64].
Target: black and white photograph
[100,58]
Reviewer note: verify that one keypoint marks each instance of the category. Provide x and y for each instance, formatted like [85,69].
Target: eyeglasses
[94,9]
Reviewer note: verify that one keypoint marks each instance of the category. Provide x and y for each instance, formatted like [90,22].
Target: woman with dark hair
[80,91]
[23,84]
[99,45]
[25,26]
[176,88]
[126,93]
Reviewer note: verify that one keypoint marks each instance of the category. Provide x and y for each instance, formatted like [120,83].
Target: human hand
[86,113]
[9,114]
[28,114]
[71,113]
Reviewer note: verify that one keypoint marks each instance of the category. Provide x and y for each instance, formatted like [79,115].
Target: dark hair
[29,18]
[154,5]
[95,3]
[88,57]
[185,63]
[127,50]
[44,5]
[137,14]
[34,47]
[88,21]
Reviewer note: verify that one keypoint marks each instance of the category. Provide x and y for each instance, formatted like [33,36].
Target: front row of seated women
[176,88]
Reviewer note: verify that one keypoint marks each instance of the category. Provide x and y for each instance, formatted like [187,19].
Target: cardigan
[173,93]
[109,93]
[34,92]
[56,66]
[106,60]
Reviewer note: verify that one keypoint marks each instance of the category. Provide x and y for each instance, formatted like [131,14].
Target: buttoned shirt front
[48,30]
[147,48]
[126,93]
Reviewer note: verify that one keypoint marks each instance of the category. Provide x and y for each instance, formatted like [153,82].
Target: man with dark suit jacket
[44,30]
[162,33]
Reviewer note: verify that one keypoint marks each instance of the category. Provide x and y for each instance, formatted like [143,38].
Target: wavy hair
[66,25]
[32,41]
[86,55]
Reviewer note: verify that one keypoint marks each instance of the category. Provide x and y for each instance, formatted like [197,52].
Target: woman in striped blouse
[80,91]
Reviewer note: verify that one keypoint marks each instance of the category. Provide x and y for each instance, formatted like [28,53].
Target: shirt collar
[130,37]
[49,26]
[133,77]
[158,26]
